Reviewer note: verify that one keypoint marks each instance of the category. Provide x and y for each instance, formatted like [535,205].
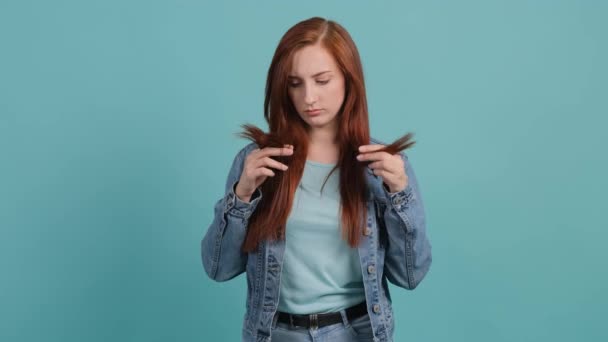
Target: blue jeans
[359,329]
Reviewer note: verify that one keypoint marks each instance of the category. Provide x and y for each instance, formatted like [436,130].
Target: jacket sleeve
[221,245]
[408,254]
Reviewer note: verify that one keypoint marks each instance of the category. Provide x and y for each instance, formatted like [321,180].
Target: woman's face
[316,86]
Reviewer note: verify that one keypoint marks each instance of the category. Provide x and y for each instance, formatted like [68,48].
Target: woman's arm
[408,254]
[221,246]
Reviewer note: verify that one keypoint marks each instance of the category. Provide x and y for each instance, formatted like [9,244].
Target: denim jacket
[394,247]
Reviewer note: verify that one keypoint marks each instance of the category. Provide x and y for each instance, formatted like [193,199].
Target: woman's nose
[310,97]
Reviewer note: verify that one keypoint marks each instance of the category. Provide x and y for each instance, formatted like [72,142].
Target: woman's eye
[297,84]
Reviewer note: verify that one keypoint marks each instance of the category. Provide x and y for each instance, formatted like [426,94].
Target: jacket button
[370,269]
[367,231]
[376,308]
[398,200]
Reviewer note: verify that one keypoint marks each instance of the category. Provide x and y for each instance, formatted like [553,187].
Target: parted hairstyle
[287,127]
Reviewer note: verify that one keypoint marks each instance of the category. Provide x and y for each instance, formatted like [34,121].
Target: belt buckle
[314,322]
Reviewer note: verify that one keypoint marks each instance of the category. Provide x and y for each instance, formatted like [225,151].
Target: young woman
[316,212]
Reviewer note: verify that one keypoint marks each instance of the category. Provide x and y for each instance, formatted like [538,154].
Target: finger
[392,165]
[387,168]
[275,151]
[267,161]
[380,172]
[370,148]
[379,164]
[373,156]
[262,171]
[386,176]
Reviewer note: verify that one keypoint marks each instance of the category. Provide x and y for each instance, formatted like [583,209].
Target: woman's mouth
[313,112]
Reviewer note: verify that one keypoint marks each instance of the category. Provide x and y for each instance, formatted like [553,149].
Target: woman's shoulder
[246,149]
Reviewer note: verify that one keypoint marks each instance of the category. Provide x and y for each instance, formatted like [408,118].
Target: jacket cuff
[236,207]
[400,199]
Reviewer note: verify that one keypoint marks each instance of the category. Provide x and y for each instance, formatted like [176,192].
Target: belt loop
[345,320]
[275,320]
[291,321]
[314,323]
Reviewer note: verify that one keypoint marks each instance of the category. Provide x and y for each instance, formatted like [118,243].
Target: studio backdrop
[117,130]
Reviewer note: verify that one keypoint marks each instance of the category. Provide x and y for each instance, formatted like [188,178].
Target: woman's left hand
[388,166]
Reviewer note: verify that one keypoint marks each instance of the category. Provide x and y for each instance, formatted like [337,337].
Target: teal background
[117,122]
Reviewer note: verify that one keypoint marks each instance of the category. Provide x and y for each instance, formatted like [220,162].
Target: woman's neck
[323,153]
[322,145]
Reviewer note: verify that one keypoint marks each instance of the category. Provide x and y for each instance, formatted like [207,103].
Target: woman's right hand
[256,169]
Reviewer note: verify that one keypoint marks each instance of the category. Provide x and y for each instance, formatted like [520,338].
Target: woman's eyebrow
[315,75]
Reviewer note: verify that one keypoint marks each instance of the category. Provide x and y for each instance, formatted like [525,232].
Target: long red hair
[286,127]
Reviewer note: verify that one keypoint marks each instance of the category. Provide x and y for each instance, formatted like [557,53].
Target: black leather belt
[321,320]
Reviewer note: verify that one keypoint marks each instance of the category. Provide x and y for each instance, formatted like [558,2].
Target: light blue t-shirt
[321,273]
